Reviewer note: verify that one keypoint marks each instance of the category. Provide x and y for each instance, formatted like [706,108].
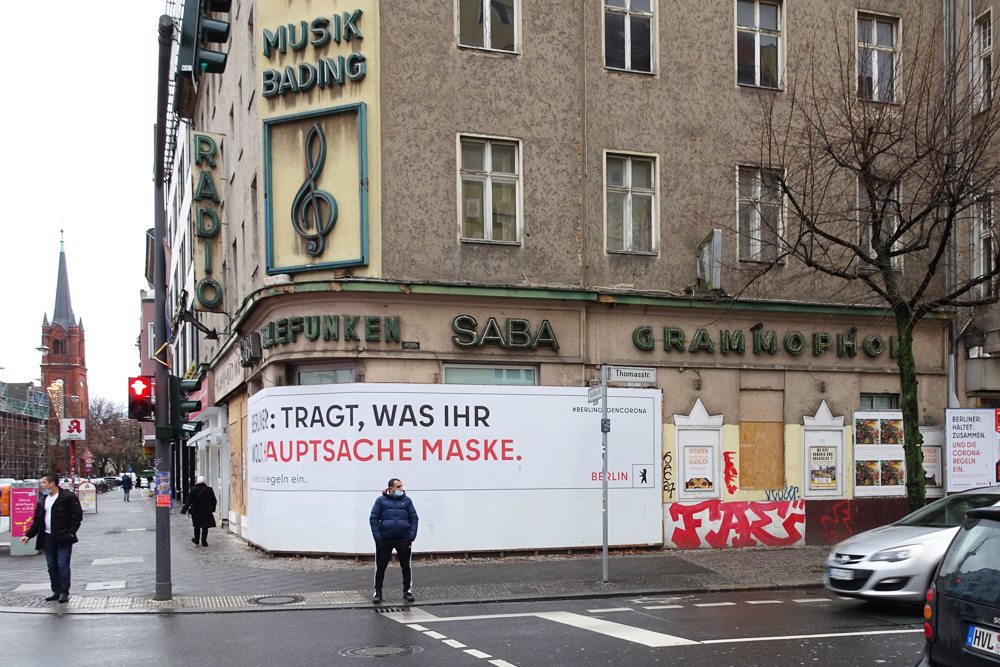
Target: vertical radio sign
[206,206]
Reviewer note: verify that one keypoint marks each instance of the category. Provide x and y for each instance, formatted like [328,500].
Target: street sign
[594,394]
[632,375]
[73,429]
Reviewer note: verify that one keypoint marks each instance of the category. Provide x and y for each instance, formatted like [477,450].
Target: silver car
[896,562]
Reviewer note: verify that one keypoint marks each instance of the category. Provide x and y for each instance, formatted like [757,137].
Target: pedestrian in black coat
[58,516]
[126,485]
[201,505]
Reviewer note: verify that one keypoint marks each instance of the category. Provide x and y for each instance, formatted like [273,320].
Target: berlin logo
[314,211]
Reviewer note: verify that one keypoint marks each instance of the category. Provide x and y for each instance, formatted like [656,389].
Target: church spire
[63,313]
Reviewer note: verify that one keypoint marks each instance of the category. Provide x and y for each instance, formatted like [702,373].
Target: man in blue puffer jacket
[394,526]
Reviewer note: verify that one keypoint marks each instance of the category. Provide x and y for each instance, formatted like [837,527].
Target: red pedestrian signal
[140,398]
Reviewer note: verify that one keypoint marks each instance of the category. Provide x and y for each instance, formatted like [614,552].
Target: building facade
[476,193]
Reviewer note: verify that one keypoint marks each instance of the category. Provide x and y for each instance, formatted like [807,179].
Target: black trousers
[201,534]
[383,554]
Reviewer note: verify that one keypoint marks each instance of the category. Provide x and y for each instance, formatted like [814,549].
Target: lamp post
[76,399]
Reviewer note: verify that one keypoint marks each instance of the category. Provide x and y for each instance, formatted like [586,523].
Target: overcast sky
[77,118]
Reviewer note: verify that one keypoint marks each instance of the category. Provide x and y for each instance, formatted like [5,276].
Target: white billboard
[487,467]
[971,448]
[73,429]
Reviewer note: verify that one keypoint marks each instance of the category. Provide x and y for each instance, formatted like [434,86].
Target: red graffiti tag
[730,472]
[841,519]
[745,524]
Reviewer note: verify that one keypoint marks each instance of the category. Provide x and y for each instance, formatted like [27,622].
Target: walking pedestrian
[394,526]
[138,482]
[201,505]
[58,516]
[126,485]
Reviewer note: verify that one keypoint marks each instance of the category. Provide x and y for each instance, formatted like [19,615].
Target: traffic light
[197,30]
[181,407]
[140,398]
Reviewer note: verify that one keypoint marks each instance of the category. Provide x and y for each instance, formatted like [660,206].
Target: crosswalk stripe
[602,611]
[435,635]
[666,606]
[477,654]
[501,663]
[454,643]
[610,629]
[764,602]
[716,604]
[813,600]
[414,626]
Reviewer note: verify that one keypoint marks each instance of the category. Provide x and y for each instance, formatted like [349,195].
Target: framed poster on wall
[699,448]
[823,441]
[879,462]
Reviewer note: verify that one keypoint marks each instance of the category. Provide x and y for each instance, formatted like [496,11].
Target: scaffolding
[24,428]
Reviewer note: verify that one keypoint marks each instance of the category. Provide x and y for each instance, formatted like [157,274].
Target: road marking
[483,617]
[118,560]
[602,611]
[105,585]
[32,587]
[716,604]
[626,632]
[666,606]
[414,626]
[411,615]
[132,530]
[813,600]
[134,511]
[435,635]
[764,602]
[501,663]
[819,636]
[477,654]
[454,643]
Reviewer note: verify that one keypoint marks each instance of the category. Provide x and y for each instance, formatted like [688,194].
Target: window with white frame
[490,177]
[629,34]
[322,374]
[758,43]
[151,340]
[878,38]
[488,24]
[506,375]
[881,216]
[630,191]
[984,248]
[984,60]
[760,213]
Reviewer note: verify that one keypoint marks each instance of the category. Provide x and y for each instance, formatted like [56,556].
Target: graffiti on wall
[730,472]
[787,493]
[668,475]
[837,524]
[718,525]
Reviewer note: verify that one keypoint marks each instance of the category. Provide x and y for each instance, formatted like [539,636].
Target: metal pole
[164,587]
[604,476]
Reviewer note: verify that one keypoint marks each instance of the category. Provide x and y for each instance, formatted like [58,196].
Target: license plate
[840,574]
[983,639]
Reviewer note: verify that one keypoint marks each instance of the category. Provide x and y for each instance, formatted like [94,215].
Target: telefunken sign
[317,33]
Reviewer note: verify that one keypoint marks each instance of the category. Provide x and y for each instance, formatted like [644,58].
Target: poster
[879,461]
[822,467]
[22,510]
[932,467]
[699,468]
[504,450]
[163,497]
[971,448]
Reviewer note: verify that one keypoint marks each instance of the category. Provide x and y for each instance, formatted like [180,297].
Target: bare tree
[112,437]
[883,157]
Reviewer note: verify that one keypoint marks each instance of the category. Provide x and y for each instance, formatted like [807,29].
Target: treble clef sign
[311,219]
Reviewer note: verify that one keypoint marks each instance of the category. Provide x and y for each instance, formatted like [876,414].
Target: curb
[588,595]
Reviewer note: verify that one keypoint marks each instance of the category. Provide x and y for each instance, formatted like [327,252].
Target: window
[877,43]
[631,203]
[984,60]
[151,339]
[509,375]
[886,212]
[879,402]
[490,183]
[758,35]
[984,250]
[760,215]
[488,24]
[628,35]
[59,347]
[329,375]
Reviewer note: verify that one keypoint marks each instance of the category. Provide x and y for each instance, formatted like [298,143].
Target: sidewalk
[114,571]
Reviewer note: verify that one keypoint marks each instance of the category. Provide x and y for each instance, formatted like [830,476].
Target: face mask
[46,491]
[398,493]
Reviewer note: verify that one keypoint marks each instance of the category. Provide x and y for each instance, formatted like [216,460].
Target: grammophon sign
[488,468]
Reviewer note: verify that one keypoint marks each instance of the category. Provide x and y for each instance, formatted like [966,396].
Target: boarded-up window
[762,440]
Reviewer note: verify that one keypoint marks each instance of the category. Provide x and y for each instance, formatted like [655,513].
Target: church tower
[66,361]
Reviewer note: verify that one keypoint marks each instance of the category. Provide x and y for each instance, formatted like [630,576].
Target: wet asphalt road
[760,628]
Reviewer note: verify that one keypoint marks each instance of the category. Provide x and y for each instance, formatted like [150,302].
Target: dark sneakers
[408,596]
[64,597]
[377,598]
[52,598]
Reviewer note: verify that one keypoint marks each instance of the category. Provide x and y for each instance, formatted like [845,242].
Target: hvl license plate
[983,639]
[841,574]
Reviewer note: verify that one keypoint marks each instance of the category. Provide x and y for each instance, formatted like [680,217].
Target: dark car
[113,482]
[962,614]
